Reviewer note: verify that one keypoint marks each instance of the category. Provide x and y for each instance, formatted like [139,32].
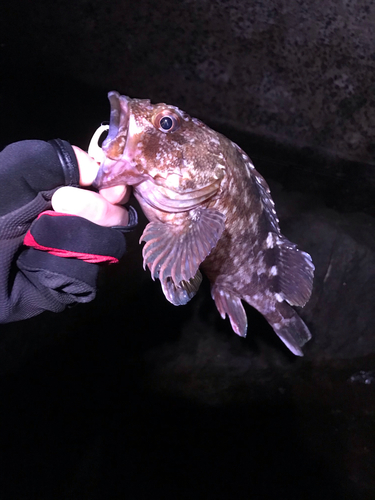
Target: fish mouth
[114,144]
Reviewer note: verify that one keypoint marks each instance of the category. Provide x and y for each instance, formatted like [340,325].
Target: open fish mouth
[114,145]
[115,142]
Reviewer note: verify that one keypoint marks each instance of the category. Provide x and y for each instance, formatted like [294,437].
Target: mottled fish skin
[209,209]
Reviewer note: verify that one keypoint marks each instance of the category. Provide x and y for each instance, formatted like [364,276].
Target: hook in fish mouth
[94,150]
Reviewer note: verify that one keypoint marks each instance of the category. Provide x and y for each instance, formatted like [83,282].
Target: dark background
[130,397]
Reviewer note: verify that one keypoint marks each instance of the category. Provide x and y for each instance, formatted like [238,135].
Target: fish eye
[167,122]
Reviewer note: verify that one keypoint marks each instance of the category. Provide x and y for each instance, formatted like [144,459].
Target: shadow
[79,423]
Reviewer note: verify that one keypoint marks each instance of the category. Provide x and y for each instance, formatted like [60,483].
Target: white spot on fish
[273,271]
[262,269]
[278,297]
[248,169]
[213,140]
[135,126]
[173,180]
[252,219]
[269,240]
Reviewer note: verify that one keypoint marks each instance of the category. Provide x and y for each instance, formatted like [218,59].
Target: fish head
[172,160]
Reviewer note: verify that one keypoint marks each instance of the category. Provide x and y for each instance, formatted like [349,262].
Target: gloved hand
[51,259]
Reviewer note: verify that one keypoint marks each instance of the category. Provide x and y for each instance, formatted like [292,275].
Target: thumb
[92,206]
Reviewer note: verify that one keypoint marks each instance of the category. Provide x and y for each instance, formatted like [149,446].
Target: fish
[209,211]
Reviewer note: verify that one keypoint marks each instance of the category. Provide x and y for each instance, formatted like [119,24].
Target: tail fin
[289,327]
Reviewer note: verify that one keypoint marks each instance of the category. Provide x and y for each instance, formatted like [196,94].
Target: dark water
[130,397]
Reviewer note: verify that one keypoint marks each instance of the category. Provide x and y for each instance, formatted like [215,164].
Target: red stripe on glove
[30,241]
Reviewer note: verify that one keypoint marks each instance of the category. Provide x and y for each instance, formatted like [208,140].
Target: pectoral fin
[181,294]
[176,251]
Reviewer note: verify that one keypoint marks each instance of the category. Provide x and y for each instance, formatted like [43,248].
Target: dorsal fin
[267,201]
[263,191]
[296,273]
[295,269]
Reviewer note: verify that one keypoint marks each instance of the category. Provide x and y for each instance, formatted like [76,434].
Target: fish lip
[115,143]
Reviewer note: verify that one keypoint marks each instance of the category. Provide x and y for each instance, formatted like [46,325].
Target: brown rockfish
[209,210]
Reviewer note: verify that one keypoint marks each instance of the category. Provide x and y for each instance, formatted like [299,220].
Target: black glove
[47,260]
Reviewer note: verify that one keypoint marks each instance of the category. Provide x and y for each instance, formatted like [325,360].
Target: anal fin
[231,305]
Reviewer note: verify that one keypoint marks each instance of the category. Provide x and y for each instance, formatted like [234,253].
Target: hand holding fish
[104,208]
[51,259]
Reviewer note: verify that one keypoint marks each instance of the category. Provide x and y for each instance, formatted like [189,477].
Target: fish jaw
[119,148]
[113,172]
